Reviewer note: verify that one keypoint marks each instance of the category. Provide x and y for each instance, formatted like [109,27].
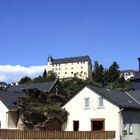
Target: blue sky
[106,30]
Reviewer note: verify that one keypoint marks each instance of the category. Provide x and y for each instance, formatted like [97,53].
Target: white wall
[3,115]
[77,111]
[75,67]
[128,75]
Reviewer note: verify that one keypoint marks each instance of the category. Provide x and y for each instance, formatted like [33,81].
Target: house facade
[3,118]
[128,74]
[90,110]
[8,109]
[70,67]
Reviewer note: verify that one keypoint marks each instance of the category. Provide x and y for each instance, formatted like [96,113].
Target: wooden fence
[17,134]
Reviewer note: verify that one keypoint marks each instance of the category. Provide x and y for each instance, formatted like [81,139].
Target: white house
[99,109]
[69,67]
[128,74]
[8,110]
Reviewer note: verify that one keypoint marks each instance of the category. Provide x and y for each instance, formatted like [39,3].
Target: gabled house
[100,109]
[8,109]
[9,101]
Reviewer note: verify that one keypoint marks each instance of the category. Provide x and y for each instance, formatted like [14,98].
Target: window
[87,104]
[75,125]
[71,72]
[72,68]
[0,124]
[81,67]
[65,72]
[100,103]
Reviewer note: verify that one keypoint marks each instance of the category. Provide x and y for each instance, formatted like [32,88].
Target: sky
[31,30]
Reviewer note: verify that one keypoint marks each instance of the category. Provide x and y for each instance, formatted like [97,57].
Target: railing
[17,134]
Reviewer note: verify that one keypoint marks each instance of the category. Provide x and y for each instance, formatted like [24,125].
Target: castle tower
[50,59]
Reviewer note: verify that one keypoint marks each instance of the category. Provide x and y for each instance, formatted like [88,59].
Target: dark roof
[135,94]
[10,96]
[131,116]
[135,84]
[10,99]
[128,71]
[137,76]
[118,98]
[45,87]
[72,60]
[3,83]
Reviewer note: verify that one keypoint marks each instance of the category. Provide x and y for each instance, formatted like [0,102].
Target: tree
[121,84]
[72,86]
[51,76]
[38,111]
[44,74]
[25,80]
[98,72]
[38,79]
[113,73]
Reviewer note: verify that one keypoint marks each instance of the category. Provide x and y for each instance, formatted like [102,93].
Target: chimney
[139,63]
